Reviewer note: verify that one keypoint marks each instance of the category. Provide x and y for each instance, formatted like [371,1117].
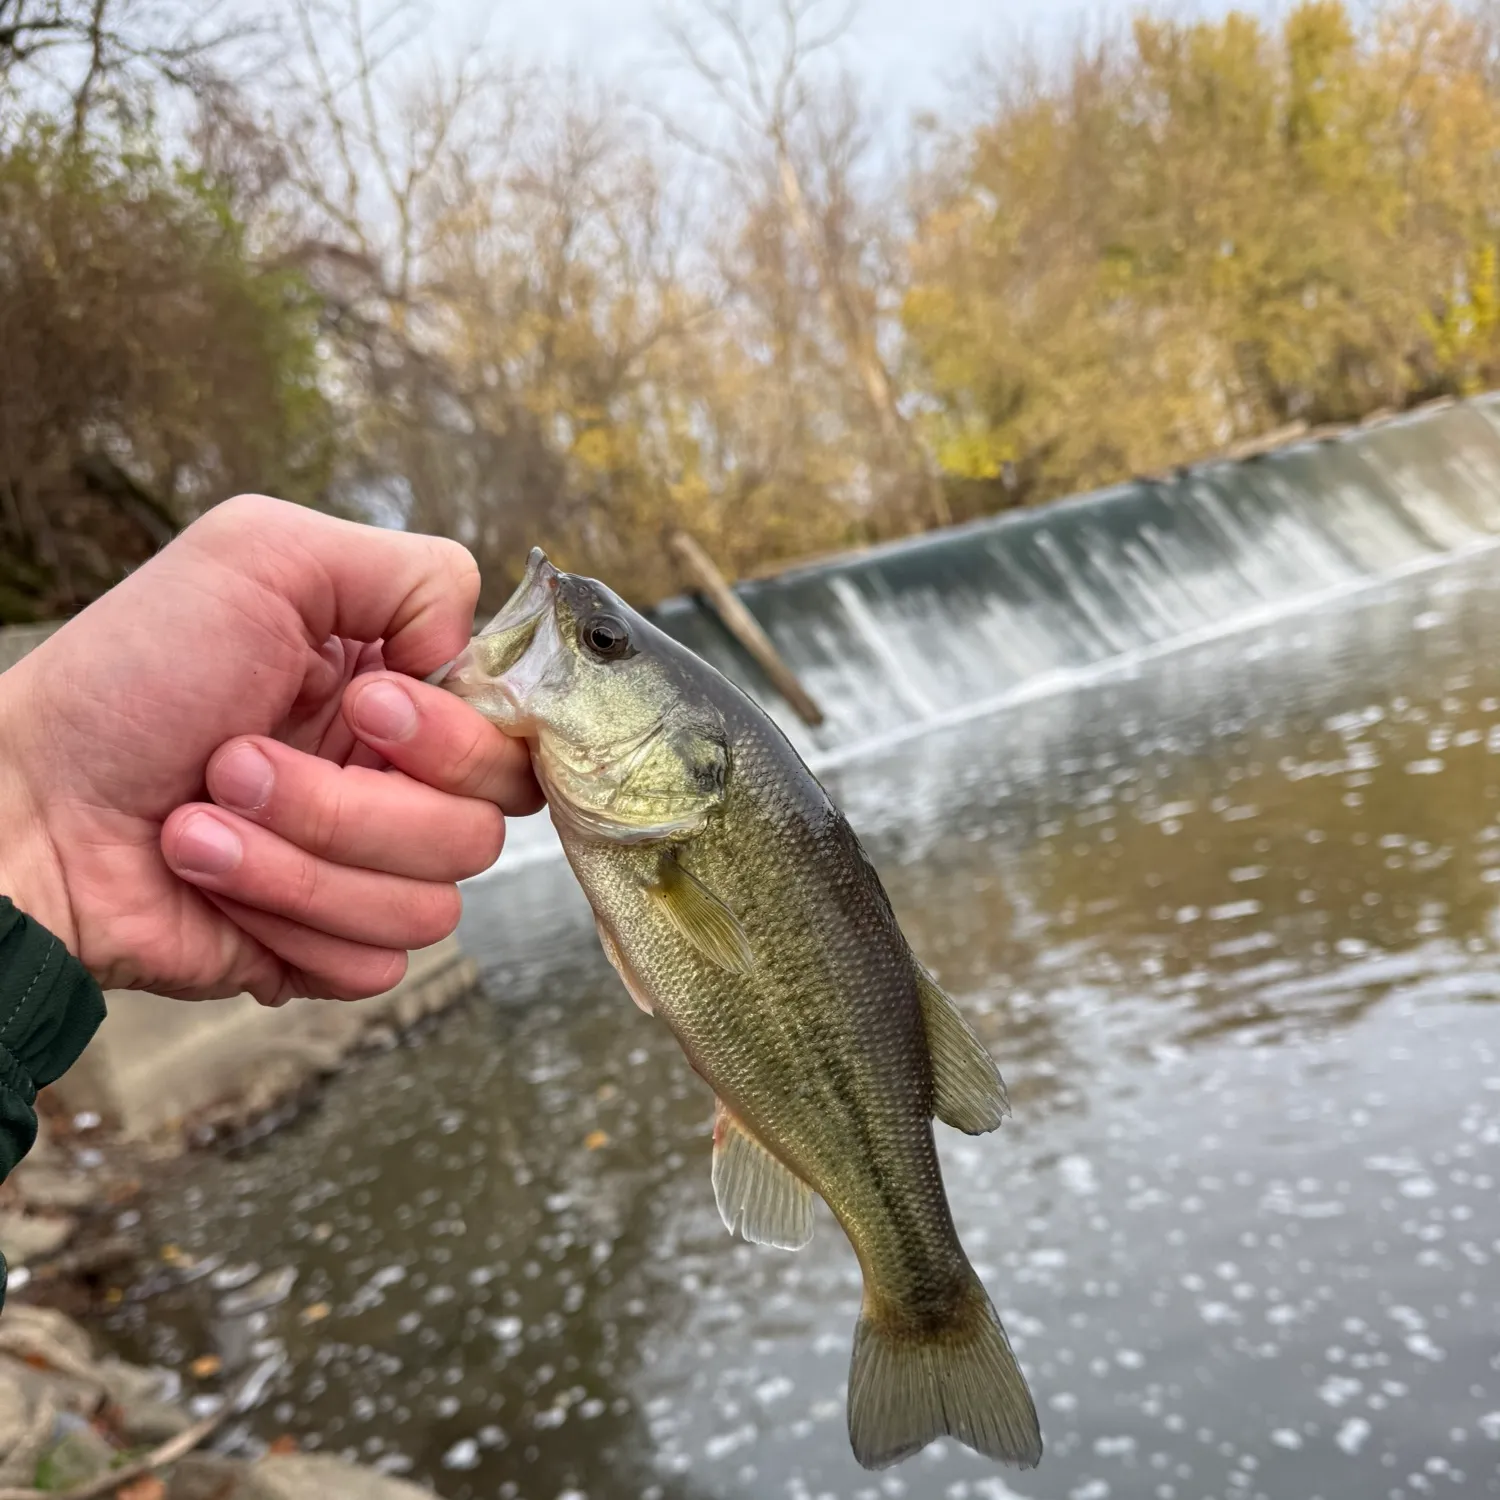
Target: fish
[738,906]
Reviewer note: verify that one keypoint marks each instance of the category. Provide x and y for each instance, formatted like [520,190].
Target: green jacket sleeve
[49,1009]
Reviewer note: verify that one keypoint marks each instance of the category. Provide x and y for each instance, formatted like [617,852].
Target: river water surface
[1228,920]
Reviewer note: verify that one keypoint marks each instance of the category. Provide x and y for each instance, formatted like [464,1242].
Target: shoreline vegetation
[361,267]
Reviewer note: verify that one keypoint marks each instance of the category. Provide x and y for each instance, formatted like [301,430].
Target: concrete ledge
[157,1065]
[17,641]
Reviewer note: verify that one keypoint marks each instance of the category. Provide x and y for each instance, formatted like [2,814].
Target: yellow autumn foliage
[1204,232]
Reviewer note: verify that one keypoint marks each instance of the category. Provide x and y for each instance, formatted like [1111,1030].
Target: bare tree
[799,126]
[84,53]
[496,260]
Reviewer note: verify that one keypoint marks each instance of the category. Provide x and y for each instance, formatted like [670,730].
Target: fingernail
[384,712]
[243,779]
[206,847]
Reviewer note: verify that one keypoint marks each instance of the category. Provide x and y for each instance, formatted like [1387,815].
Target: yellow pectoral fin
[757,1195]
[700,917]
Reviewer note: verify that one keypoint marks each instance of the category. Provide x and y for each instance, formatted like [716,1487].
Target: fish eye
[606,637]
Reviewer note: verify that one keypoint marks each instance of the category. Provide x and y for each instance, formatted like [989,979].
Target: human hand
[210,782]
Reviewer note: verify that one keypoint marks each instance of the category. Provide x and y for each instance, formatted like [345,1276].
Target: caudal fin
[961,1380]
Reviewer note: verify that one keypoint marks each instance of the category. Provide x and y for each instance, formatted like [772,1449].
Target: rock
[44,1331]
[314,1476]
[148,1423]
[45,1148]
[202,1476]
[232,1278]
[77,1394]
[27,1418]
[381,1038]
[45,1350]
[266,1291]
[53,1187]
[409,1008]
[80,1456]
[283,1075]
[126,1384]
[50,1357]
[25,1238]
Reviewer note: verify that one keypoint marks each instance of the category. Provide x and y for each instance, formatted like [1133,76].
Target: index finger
[415,593]
[437,738]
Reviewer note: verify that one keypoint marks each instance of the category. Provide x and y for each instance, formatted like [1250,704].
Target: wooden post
[742,625]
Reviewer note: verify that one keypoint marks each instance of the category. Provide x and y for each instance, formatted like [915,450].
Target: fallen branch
[103,1255]
[168,1453]
[742,625]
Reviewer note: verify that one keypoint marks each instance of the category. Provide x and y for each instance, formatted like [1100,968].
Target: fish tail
[910,1384]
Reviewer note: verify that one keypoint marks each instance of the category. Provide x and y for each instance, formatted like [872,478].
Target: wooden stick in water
[742,625]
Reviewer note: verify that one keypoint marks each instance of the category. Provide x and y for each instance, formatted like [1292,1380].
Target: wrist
[31,874]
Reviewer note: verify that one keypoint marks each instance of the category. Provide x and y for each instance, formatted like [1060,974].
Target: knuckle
[456,560]
[489,838]
[474,760]
[318,984]
[436,915]
[371,971]
[477,837]
[387,976]
[304,886]
[326,821]
[240,512]
[527,797]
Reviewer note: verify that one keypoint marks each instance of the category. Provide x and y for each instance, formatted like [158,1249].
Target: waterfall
[918,633]
[961,619]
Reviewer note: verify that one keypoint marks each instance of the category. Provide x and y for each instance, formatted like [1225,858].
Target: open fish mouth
[532,596]
[484,672]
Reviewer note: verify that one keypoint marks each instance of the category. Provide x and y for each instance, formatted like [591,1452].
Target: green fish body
[738,907]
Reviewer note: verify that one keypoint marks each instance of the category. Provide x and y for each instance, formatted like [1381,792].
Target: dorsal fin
[968,1093]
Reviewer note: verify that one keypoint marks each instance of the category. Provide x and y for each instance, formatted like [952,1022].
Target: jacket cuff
[50,1008]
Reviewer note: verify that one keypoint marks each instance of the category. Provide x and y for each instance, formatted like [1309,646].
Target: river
[1228,920]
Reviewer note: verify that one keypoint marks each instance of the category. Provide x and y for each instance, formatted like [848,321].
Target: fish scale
[737,905]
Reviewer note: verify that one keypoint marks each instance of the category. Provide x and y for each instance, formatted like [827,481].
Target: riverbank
[162,1071]
[163,1079]
[76,1229]
[74,1424]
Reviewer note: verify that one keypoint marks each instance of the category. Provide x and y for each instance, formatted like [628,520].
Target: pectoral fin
[967,1090]
[701,918]
[758,1195]
[612,953]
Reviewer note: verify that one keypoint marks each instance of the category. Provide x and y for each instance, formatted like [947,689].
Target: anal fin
[758,1195]
[968,1093]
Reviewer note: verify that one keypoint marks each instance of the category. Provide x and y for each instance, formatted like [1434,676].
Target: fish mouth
[533,594]
[484,672]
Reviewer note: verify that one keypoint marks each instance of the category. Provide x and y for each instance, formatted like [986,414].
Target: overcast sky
[914,53]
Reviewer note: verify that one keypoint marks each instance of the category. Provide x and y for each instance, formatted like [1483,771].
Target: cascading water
[920,632]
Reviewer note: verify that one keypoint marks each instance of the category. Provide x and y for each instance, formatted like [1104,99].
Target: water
[927,632]
[920,630]
[1227,918]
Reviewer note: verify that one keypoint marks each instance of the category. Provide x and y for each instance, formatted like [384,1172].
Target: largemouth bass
[737,905]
